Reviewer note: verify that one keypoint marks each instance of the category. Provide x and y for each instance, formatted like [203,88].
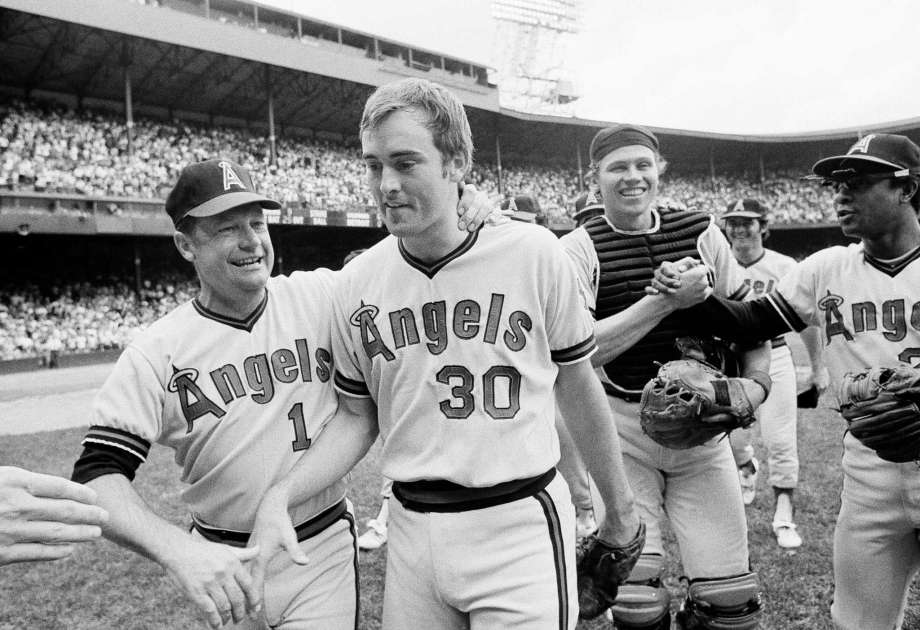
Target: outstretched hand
[42,517]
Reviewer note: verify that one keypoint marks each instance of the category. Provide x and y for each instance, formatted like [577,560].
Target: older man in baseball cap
[238,383]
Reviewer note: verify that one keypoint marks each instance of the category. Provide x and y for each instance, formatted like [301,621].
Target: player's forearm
[132,524]
[590,422]
[811,339]
[755,364]
[617,333]
[343,443]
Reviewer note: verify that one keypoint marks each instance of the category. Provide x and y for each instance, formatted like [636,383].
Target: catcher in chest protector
[863,298]
[691,477]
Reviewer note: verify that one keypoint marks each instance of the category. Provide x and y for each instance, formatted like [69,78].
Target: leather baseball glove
[689,402]
[601,568]
[881,407]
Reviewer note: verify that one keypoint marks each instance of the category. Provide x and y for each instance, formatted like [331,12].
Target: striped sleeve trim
[350,387]
[786,312]
[116,438]
[740,293]
[575,353]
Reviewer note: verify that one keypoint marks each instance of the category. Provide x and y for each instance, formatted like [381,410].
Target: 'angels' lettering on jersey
[402,326]
[260,371]
[759,287]
[891,316]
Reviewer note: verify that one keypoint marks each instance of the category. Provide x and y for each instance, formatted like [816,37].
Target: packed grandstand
[54,146]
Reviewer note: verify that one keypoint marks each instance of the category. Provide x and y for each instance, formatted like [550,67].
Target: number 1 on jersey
[300,442]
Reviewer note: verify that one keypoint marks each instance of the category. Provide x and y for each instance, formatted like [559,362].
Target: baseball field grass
[104,586]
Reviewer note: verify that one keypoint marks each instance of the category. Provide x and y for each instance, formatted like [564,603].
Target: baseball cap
[746,209]
[211,187]
[612,138]
[586,206]
[874,153]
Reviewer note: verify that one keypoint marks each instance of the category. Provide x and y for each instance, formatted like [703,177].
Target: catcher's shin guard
[642,603]
[731,603]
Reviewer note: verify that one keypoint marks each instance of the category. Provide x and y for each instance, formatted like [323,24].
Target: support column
[272,146]
[498,163]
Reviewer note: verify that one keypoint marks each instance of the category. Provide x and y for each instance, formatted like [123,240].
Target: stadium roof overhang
[179,62]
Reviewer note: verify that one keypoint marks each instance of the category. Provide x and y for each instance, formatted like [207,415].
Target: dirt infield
[48,400]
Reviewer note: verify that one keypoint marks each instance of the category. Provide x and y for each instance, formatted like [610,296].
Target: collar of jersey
[430,269]
[892,268]
[246,323]
[755,261]
[656,224]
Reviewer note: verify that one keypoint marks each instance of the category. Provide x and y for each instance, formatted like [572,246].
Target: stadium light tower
[531,37]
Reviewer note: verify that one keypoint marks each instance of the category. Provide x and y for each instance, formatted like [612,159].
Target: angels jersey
[763,274]
[865,308]
[460,355]
[239,401]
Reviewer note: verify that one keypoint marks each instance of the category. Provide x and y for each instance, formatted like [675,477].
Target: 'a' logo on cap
[739,207]
[862,146]
[230,176]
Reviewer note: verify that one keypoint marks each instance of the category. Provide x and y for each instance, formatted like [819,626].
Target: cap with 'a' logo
[746,209]
[874,153]
[211,187]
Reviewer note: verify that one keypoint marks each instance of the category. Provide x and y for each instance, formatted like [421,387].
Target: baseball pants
[321,594]
[696,489]
[509,566]
[777,418]
[876,549]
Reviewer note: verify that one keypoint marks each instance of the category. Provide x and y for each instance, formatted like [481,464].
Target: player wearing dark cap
[746,224]
[616,255]
[863,297]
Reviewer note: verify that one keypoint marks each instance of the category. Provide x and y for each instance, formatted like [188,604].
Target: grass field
[104,586]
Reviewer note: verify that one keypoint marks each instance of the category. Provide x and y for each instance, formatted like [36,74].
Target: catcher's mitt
[689,402]
[601,568]
[880,406]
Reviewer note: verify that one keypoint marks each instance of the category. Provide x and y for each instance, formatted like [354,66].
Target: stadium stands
[54,150]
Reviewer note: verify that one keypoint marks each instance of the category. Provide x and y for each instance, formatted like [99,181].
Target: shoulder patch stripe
[119,435]
[786,312]
[575,353]
[740,292]
[349,386]
[122,446]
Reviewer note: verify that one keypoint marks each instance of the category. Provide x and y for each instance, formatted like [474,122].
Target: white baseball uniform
[460,357]
[240,401]
[697,488]
[869,315]
[778,414]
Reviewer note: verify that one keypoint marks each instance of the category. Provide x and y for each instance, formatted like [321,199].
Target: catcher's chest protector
[627,266]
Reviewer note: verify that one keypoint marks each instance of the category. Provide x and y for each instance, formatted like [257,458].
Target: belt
[625,394]
[305,530]
[440,495]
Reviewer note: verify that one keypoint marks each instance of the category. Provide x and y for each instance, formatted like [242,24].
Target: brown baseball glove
[601,568]
[689,402]
[880,406]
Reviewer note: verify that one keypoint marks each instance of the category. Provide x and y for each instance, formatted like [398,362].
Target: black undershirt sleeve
[98,460]
[745,323]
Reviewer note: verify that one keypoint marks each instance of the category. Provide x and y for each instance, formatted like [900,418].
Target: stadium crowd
[82,316]
[51,149]
[56,150]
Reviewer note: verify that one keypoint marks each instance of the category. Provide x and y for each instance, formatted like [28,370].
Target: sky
[730,66]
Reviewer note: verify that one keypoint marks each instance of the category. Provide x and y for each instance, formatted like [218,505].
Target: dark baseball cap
[211,187]
[746,209]
[612,138]
[874,153]
[586,206]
